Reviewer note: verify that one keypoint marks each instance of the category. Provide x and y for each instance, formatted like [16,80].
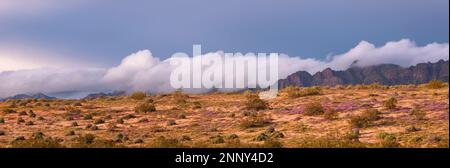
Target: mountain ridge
[386,74]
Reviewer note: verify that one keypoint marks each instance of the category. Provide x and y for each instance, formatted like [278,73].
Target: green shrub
[313,109]
[2,120]
[138,95]
[391,103]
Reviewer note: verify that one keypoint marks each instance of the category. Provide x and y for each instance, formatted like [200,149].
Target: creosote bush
[258,120]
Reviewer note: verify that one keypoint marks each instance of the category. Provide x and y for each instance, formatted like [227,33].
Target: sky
[96,35]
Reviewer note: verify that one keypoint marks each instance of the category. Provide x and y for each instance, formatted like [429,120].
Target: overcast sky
[101,32]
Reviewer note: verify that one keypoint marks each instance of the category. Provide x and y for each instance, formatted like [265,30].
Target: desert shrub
[93,128]
[99,121]
[40,118]
[270,130]
[179,98]
[2,120]
[272,143]
[353,135]
[86,139]
[417,114]
[145,108]
[111,127]
[328,142]
[120,138]
[311,91]
[31,114]
[371,114]
[412,128]
[302,127]
[74,124]
[233,136]
[70,133]
[138,95]
[2,132]
[253,102]
[218,139]
[138,141]
[391,103]
[20,120]
[359,122]
[9,111]
[330,114]
[91,141]
[120,121]
[143,120]
[277,134]
[77,104]
[171,122]
[163,142]
[196,105]
[435,84]
[261,137]
[181,116]
[22,113]
[388,140]
[375,85]
[128,116]
[87,117]
[313,109]
[254,121]
[37,143]
[185,138]
[292,92]
[29,123]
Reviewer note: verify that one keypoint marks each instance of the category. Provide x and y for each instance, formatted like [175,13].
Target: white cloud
[143,71]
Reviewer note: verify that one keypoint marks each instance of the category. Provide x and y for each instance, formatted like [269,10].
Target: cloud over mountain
[143,71]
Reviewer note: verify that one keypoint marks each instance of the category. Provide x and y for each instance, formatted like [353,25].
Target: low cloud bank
[143,71]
